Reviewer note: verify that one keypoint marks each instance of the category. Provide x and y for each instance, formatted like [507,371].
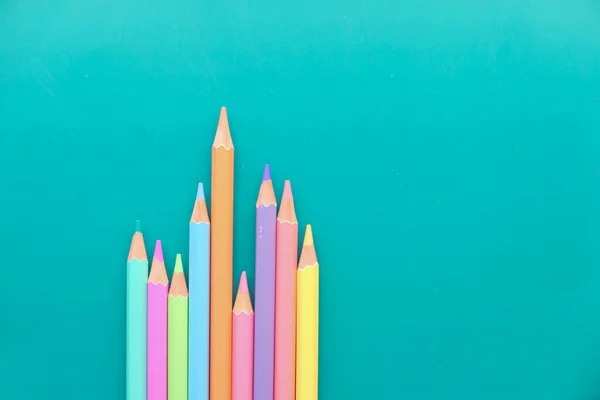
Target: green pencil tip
[137,226]
[178,264]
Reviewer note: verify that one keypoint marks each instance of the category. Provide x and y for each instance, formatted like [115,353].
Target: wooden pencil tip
[223,135]
[138,226]
[287,189]
[308,237]
[267,173]
[200,192]
[243,283]
[158,252]
[178,264]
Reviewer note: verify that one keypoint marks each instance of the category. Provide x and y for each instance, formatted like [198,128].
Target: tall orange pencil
[221,263]
[285,298]
[242,344]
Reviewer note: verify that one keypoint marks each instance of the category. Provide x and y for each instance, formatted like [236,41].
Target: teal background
[446,153]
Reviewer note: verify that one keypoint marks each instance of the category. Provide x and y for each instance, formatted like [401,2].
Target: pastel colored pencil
[285,297]
[158,290]
[199,298]
[307,310]
[137,298]
[264,289]
[178,335]
[221,263]
[242,343]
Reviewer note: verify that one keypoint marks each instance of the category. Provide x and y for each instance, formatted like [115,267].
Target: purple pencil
[264,289]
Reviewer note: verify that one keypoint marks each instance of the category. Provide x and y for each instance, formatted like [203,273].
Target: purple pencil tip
[200,194]
[267,173]
[158,252]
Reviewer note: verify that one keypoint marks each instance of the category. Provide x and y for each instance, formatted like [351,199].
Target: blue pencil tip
[137,226]
[200,194]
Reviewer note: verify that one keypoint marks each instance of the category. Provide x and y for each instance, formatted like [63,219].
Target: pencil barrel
[264,303]
[137,278]
[157,341]
[199,311]
[178,348]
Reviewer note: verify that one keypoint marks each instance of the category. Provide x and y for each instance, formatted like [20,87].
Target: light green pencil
[137,300]
[178,335]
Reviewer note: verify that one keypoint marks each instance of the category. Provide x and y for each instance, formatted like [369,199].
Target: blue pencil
[199,300]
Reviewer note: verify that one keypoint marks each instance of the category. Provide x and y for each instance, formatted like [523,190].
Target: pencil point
[158,251]
[223,135]
[242,303]
[243,283]
[287,189]
[178,264]
[267,173]
[200,193]
[308,237]
[138,226]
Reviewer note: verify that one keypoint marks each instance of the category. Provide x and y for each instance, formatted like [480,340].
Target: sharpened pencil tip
[158,252]
[200,193]
[287,189]
[178,264]
[138,226]
[243,283]
[308,237]
[267,173]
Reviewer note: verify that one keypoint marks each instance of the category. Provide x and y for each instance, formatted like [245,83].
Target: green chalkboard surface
[446,153]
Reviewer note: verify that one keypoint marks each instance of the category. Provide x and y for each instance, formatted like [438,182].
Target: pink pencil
[285,298]
[158,290]
[242,346]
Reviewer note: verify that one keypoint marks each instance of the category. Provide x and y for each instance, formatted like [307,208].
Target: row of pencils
[193,344]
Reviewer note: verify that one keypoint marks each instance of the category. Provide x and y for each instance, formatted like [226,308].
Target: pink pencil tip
[267,173]
[158,251]
[243,283]
[287,189]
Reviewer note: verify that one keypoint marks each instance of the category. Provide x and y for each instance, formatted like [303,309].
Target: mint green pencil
[137,300]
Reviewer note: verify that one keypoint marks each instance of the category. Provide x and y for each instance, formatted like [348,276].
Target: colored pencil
[158,290]
[178,334]
[307,309]
[264,289]
[199,287]
[221,263]
[137,279]
[242,343]
[285,297]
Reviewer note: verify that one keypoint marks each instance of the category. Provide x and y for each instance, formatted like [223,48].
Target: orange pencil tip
[223,135]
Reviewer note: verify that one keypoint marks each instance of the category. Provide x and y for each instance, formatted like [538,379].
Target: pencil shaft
[137,279]
[199,312]
[264,304]
[285,311]
[157,341]
[221,273]
[243,352]
[307,350]
[178,348]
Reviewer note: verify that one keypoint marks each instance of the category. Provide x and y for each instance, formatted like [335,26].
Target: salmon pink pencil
[158,291]
[285,297]
[242,343]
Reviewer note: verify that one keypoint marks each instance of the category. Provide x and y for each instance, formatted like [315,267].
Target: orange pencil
[221,263]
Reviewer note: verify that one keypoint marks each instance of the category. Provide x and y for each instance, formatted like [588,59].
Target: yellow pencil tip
[308,237]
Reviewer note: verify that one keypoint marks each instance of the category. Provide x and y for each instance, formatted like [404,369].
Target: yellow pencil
[307,321]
